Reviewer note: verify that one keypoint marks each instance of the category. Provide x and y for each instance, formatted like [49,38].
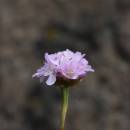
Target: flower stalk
[64,106]
[65,69]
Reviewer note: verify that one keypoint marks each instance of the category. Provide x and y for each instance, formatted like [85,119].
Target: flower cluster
[66,65]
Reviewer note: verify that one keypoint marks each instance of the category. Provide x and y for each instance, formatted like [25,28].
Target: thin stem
[64,106]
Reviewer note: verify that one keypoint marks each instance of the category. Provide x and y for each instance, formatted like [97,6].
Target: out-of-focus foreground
[99,28]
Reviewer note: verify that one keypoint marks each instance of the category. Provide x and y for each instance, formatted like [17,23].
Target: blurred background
[99,28]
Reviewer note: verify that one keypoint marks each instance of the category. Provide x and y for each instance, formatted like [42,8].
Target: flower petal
[51,79]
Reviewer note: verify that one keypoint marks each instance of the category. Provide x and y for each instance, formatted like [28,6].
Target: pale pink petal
[51,80]
[68,54]
[34,75]
[48,72]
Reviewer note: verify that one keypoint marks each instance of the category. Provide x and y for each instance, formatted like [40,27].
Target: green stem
[64,106]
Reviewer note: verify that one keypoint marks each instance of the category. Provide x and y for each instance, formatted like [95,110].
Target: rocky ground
[100,28]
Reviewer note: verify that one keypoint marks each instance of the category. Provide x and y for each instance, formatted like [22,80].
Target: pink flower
[66,65]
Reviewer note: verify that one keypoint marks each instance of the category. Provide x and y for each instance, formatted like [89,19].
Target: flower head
[65,65]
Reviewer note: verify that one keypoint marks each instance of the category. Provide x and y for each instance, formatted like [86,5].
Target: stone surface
[29,28]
